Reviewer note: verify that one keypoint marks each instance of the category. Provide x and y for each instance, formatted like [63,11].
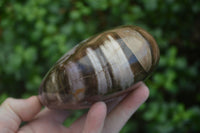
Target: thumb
[14,111]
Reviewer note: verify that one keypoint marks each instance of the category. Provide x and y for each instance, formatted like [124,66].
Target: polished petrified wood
[100,68]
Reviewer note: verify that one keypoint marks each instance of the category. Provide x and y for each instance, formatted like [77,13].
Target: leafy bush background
[35,33]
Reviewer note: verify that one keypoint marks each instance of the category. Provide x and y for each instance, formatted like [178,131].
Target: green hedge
[35,33]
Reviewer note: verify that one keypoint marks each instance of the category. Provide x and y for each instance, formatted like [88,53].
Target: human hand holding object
[98,119]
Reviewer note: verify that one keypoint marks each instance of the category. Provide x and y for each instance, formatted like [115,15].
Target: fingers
[47,120]
[14,111]
[78,125]
[111,105]
[95,119]
[57,116]
[121,113]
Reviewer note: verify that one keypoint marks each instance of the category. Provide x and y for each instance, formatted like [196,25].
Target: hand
[108,120]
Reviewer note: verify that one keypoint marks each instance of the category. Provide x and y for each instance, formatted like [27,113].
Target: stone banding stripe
[76,81]
[53,83]
[137,44]
[99,72]
[63,83]
[88,74]
[116,58]
[106,68]
[136,67]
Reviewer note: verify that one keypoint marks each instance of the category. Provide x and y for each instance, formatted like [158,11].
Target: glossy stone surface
[100,68]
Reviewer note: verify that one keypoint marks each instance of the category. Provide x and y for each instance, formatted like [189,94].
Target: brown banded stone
[99,68]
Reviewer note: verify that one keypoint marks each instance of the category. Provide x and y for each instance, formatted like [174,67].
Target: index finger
[124,110]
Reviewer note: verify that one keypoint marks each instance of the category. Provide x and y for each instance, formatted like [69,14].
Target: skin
[110,119]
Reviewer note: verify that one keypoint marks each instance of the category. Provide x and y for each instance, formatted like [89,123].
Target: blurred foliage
[35,33]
